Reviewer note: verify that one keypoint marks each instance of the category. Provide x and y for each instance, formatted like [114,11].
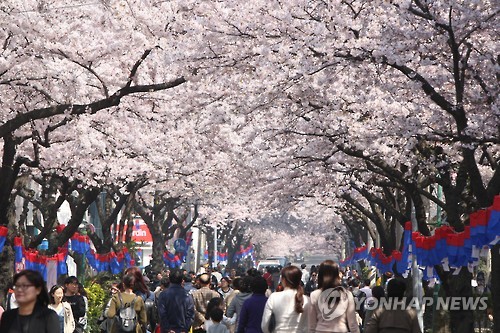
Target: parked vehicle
[282,260]
[299,257]
[265,263]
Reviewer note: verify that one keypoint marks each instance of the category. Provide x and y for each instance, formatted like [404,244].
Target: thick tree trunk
[157,263]
[495,287]
[7,178]
[461,321]
[440,317]
[80,266]
[6,270]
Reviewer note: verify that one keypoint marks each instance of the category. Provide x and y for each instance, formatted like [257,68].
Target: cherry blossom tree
[407,87]
[248,106]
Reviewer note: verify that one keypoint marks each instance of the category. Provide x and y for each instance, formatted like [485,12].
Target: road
[314,260]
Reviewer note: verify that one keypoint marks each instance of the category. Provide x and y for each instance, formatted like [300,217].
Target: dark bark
[420,213]
[155,222]
[6,271]
[108,215]
[163,223]
[8,177]
[157,263]
[461,321]
[384,233]
[357,231]
[79,206]
[49,207]
[11,125]
[7,259]
[236,243]
[495,285]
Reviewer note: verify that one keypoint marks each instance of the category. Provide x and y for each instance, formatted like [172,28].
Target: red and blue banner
[80,243]
[3,236]
[171,260]
[493,229]
[360,253]
[18,250]
[128,258]
[189,238]
[221,256]
[115,262]
[403,260]
[244,252]
[446,246]
[62,256]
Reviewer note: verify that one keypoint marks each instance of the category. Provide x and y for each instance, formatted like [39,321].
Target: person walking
[76,301]
[201,297]
[11,299]
[275,275]
[83,293]
[225,287]
[105,323]
[366,288]
[188,283]
[288,307]
[63,309]
[154,320]
[253,308]
[229,299]
[32,314]
[217,302]
[396,319]
[372,303]
[312,284]
[305,274]
[236,291]
[125,299]
[234,308]
[175,306]
[217,315]
[342,314]
[141,289]
[268,277]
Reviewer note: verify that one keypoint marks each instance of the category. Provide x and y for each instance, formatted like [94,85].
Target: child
[217,302]
[216,315]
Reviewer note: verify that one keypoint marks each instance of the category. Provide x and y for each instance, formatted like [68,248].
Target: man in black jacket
[76,301]
[175,306]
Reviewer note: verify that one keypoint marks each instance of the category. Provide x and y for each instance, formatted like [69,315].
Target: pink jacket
[332,310]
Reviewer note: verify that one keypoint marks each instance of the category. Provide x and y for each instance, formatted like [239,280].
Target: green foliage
[97,297]
[365,273]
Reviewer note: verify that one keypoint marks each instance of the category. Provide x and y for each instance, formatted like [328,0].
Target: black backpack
[126,316]
[151,305]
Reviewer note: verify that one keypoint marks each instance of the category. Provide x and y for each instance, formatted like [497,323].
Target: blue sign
[180,245]
[44,245]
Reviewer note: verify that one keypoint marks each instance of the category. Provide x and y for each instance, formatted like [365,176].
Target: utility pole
[215,246]
[417,275]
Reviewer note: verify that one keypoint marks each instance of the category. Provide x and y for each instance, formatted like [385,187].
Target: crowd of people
[318,299]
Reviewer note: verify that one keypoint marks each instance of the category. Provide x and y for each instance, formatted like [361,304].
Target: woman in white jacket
[286,310]
[63,309]
[332,306]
